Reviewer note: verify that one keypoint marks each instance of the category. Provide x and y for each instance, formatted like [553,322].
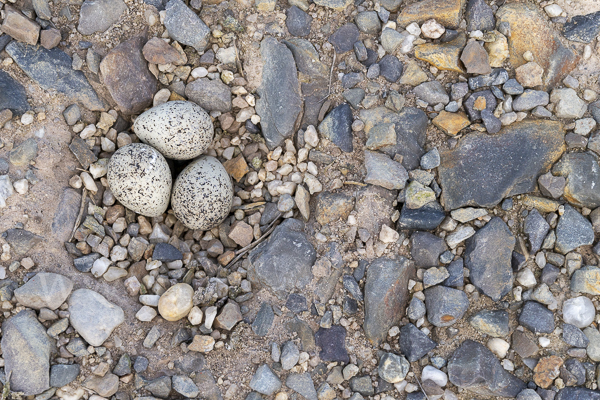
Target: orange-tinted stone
[446,12]
[445,56]
[547,370]
[451,123]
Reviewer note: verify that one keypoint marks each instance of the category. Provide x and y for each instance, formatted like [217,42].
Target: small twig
[251,206]
[355,183]
[330,77]
[422,390]
[80,215]
[246,249]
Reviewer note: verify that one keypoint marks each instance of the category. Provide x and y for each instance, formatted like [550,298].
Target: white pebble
[544,341]
[27,118]
[435,375]
[195,315]
[88,132]
[199,72]
[100,266]
[88,182]
[432,29]
[498,346]
[553,10]
[146,314]
[579,311]
[414,29]
[21,186]
[526,278]
[311,137]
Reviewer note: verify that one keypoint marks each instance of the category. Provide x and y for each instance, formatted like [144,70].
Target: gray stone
[264,319]
[593,347]
[573,230]
[512,87]
[445,306]
[484,169]
[265,381]
[42,9]
[160,387]
[456,278]
[574,336]
[289,355]
[469,104]
[393,368]
[185,26]
[586,280]
[536,228]
[207,385]
[26,350]
[296,303]
[537,318]
[99,15]
[432,93]
[212,95]
[352,287]
[583,177]
[21,241]
[552,186]
[12,94]
[383,171]
[51,69]
[298,22]
[184,385]
[431,159]
[426,249]
[568,104]
[531,99]
[374,206]
[302,384]
[72,114]
[428,217]
[362,385]
[332,342]
[491,122]
[280,102]
[24,153]
[44,290]
[352,79]
[166,253]
[66,214]
[480,16]
[528,394]
[577,393]
[344,38]
[354,97]
[473,367]
[85,263]
[63,374]
[284,261]
[416,309]
[368,22]
[583,28]
[491,322]
[337,127]
[93,317]
[391,68]
[82,152]
[497,77]
[386,295]
[414,344]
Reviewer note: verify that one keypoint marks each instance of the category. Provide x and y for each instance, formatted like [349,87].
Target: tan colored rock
[202,344]
[241,233]
[497,50]
[50,38]
[547,370]
[475,59]
[20,27]
[176,302]
[157,51]
[451,123]
[337,5]
[445,56]
[236,167]
[530,74]
[446,12]
[413,75]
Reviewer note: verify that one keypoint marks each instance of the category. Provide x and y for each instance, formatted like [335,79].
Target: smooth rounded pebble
[579,311]
[202,194]
[140,178]
[176,302]
[180,130]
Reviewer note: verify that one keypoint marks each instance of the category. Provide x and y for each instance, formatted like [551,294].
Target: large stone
[280,102]
[52,70]
[127,77]
[211,95]
[479,16]
[573,230]
[484,169]
[44,290]
[537,318]
[475,368]
[583,28]
[21,240]
[488,258]
[445,306]
[445,56]
[577,393]
[26,349]
[332,342]
[284,261]
[374,206]
[386,296]
[185,26]
[19,27]
[93,317]
[583,178]
[337,127]
[491,322]
[302,384]
[586,280]
[530,31]
[446,12]
[99,15]
[265,381]
[12,95]
[426,249]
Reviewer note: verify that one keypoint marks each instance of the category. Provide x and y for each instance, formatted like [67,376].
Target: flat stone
[413,75]
[362,385]
[337,127]
[157,51]
[475,368]
[344,38]
[265,381]
[537,318]
[488,258]
[280,102]
[414,344]
[582,28]
[211,95]
[298,22]
[166,253]
[536,228]
[531,99]
[263,320]
[12,95]
[383,171]
[478,101]
[434,276]
[475,59]
[127,77]
[52,70]
[530,31]
[19,27]
[99,15]
[577,393]
[479,16]
[481,170]
[185,26]
[302,384]
[586,280]
[296,303]
[21,240]
[24,153]
[374,206]
[491,322]
[444,56]
[26,349]
[432,92]
[105,386]
[368,22]
[386,296]
[451,123]
[332,207]
[44,290]
[229,316]
[82,152]
[123,366]
[63,374]
[446,12]
[582,174]
[573,230]
[512,87]
[160,387]
[426,249]
[390,68]
[92,316]
[523,345]
[284,261]
[332,342]
[593,347]
[445,306]
[546,370]
[428,217]
[185,386]
[568,103]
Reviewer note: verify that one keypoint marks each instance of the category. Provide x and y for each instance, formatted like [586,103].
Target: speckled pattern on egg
[180,130]
[202,194]
[140,178]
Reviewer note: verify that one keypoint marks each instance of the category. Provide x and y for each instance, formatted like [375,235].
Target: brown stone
[413,75]
[524,346]
[226,257]
[446,12]
[127,77]
[480,103]
[530,74]
[530,30]
[5,116]
[105,386]
[236,167]
[333,207]
[542,204]
[114,212]
[157,51]
[475,59]
[229,316]
[497,50]
[202,344]
[20,27]
[241,233]
[451,123]
[50,38]
[547,370]
[445,56]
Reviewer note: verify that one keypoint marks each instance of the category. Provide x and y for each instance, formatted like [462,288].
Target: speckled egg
[180,130]
[140,178]
[202,194]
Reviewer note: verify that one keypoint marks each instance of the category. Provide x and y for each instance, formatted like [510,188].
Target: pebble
[176,302]
[393,368]
[92,316]
[579,311]
[431,29]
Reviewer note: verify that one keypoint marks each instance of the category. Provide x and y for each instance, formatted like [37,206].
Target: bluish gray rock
[426,249]
[432,93]
[185,26]
[21,240]
[302,384]
[298,22]
[445,306]
[531,99]
[185,386]
[12,94]
[166,253]
[491,322]
[414,344]
[63,374]
[583,28]
[264,319]
[416,309]
[536,228]
[212,95]
[92,316]
[428,217]
[265,381]
[99,15]
[344,38]
[537,318]
[573,230]
[583,178]
[337,127]
[577,393]
[391,68]
[52,70]
[332,342]
[479,16]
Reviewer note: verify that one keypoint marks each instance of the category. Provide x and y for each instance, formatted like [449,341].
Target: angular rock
[56,74]
[475,59]
[573,230]
[479,16]
[12,95]
[432,92]
[264,319]
[483,169]
[284,261]
[426,249]
[386,295]
[19,27]
[393,368]
[583,177]
[428,217]
[577,393]
[127,77]
[523,345]
[488,258]
[390,68]
[451,123]
[157,51]
[491,322]
[26,349]
[537,318]
[63,374]
[383,171]
[475,368]
[344,38]
[536,228]
[21,241]
[82,152]
[265,381]
[337,127]
[567,103]
[298,22]
[333,207]
[444,56]
[211,95]
[446,12]
[531,99]
[66,214]
[280,102]
[105,386]
[99,15]
[302,384]
[586,280]
[414,344]
[93,317]
[445,306]
[582,28]
[44,290]
[185,26]
[374,208]
[24,153]
[332,342]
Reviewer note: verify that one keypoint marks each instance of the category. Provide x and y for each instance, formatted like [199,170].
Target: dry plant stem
[330,77]
[246,249]
[80,215]
[355,183]
[422,390]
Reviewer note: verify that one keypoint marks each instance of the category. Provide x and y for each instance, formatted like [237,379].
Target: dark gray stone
[549,274]
[99,15]
[264,319]
[4,166]
[190,362]
[575,369]
[212,95]
[123,366]
[82,152]
[484,169]
[207,385]
[480,16]
[512,87]
[491,122]
[497,77]
[360,51]
[445,306]
[166,253]
[63,374]
[185,386]
[302,384]
[298,22]
[85,263]
[475,368]
[21,241]
[296,303]
[4,40]
[24,153]
[432,93]
[352,79]
[354,97]
[344,38]
[577,393]
[52,70]
[12,94]
[26,350]
[536,228]
[265,381]
[141,364]
[160,387]
[574,336]
[416,309]
[531,99]
[284,261]
[332,342]
[386,295]
[66,214]
[491,322]
[352,287]
[537,318]
[362,385]
[390,68]
[428,217]
[280,102]
[583,178]
[368,22]
[426,249]
[185,26]
[573,230]
[490,104]
[414,344]
[457,275]
[337,127]
[583,28]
